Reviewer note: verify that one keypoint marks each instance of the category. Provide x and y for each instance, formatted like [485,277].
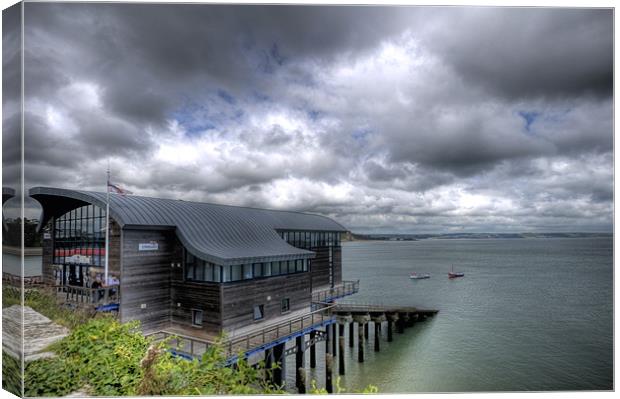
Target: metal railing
[275,331]
[339,291]
[182,345]
[190,347]
[86,295]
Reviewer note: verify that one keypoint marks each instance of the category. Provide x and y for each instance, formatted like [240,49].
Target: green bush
[11,374]
[114,359]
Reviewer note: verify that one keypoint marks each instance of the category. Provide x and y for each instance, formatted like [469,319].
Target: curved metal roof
[221,234]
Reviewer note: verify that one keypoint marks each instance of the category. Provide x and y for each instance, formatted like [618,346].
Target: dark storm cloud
[381,116]
[529,52]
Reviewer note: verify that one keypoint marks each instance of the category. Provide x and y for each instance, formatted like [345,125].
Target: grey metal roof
[221,234]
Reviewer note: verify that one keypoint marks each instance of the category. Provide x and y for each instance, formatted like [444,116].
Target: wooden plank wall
[320,268]
[337,259]
[145,278]
[239,298]
[188,295]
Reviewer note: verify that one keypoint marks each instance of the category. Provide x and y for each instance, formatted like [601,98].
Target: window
[285,305]
[291,266]
[259,312]
[247,271]
[258,270]
[267,269]
[236,273]
[196,318]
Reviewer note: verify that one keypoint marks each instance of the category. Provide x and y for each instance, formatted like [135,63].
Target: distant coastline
[349,236]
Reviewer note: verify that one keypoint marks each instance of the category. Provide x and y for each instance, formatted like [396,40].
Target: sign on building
[148,246]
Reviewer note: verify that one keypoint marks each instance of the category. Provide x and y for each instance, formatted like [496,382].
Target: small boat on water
[415,276]
[453,274]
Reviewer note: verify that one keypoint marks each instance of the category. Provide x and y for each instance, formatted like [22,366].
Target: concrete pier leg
[390,328]
[312,351]
[377,336]
[366,327]
[351,338]
[341,351]
[329,370]
[279,358]
[299,363]
[360,343]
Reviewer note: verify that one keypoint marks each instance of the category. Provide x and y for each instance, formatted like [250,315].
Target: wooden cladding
[240,298]
[145,280]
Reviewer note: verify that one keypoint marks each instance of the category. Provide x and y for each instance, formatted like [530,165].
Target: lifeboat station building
[191,268]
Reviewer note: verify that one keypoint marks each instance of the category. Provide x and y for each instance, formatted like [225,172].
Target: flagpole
[107,226]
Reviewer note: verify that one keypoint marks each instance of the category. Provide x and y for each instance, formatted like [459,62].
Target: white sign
[47,236]
[78,259]
[148,246]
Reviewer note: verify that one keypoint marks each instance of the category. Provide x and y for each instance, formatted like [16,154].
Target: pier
[328,323]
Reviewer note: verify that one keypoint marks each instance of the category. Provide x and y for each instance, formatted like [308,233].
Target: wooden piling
[328,339]
[366,327]
[390,328]
[329,366]
[299,361]
[377,336]
[360,343]
[279,358]
[400,324]
[334,338]
[301,372]
[341,351]
[351,337]
[312,350]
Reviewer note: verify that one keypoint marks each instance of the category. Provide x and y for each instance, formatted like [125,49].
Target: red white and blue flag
[113,188]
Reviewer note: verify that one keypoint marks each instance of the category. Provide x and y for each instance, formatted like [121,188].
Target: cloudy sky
[389,119]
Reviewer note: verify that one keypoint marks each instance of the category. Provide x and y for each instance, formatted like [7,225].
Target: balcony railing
[339,291]
[190,347]
[87,296]
[275,331]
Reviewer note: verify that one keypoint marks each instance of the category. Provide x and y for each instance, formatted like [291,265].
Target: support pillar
[377,336]
[328,339]
[334,338]
[366,327]
[400,324]
[299,363]
[313,350]
[341,350]
[360,342]
[390,328]
[279,358]
[329,367]
[351,338]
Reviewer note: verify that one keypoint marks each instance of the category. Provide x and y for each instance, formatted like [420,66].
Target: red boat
[453,274]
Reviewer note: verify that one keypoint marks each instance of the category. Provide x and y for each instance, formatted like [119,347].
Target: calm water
[530,314]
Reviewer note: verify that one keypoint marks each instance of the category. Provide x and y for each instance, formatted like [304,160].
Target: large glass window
[79,242]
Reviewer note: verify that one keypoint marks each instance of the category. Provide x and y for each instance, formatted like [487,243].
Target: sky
[387,119]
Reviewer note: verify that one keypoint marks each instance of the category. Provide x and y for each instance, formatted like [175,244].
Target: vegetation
[11,374]
[44,302]
[106,358]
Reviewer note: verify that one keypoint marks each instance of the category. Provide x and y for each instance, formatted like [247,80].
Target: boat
[415,276]
[453,274]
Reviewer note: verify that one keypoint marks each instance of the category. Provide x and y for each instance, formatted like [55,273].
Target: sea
[533,314]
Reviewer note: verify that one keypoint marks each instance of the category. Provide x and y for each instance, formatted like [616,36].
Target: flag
[113,188]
